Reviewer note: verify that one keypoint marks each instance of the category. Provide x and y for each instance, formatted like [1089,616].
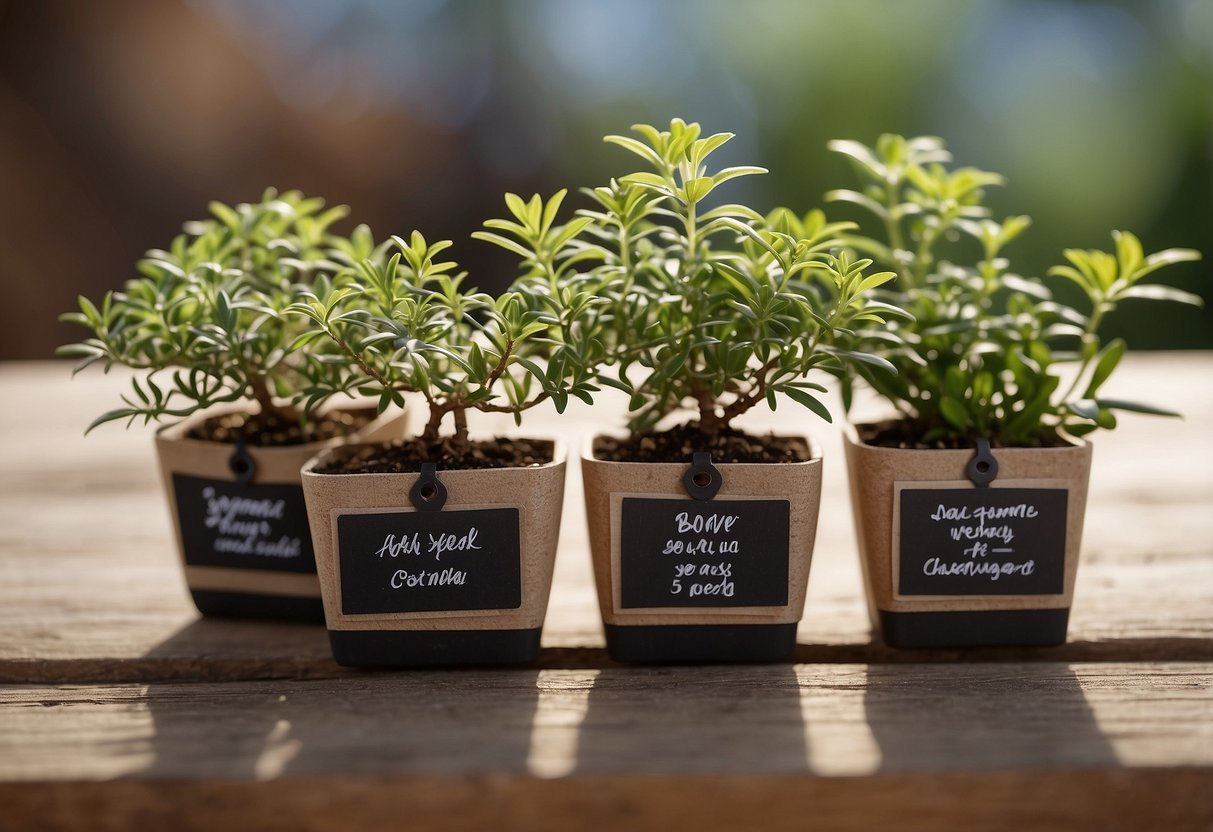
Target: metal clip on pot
[428,493]
[983,467]
[241,463]
[703,479]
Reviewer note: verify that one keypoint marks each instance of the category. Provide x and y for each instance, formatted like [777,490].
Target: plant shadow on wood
[432,722]
[697,720]
[983,717]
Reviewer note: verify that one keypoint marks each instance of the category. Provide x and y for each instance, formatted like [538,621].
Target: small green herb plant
[202,324]
[718,310]
[402,323]
[987,352]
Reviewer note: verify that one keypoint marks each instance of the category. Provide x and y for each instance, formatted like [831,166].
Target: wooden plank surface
[823,720]
[976,746]
[1108,801]
[90,589]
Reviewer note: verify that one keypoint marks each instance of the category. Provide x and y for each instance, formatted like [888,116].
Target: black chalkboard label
[235,526]
[982,541]
[426,561]
[717,553]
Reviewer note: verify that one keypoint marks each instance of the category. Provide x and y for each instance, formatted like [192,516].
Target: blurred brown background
[119,120]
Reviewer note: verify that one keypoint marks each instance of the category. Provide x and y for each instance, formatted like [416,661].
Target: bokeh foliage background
[120,120]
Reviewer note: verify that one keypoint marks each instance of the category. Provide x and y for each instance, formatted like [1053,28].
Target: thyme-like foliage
[988,353]
[724,309]
[402,322]
[202,324]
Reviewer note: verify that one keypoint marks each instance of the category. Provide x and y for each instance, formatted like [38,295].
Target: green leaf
[1086,408]
[1155,291]
[639,148]
[811,402]
[503,242]
[1108,358]
[954,412]
[110,416]
[1136,407]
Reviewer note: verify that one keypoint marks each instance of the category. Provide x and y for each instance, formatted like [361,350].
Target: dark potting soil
[272,431]
[906,434]
[679,444]
[407,456]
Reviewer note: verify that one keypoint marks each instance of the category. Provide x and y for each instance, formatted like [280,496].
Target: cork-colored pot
[878,475]
[673,634]
[240,521]
[473,634]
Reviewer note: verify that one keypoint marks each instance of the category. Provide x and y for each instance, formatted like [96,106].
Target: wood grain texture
[1108,801]
[917,747]
[92,592]
[821,720]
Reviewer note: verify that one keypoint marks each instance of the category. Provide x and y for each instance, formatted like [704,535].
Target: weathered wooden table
[121,709]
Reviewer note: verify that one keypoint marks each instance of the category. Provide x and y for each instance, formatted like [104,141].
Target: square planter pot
[718,578]
[416,573]
[240,521]
[950,562]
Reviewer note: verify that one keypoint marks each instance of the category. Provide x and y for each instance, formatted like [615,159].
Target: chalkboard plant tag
[929,580]
[240,520]
[221,369]
[969,504]
[408,586]
[687,580]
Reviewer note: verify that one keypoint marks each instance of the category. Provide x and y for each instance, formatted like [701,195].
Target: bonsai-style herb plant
[404,324]
[218,362]
[203,326]
[400,322]
[712,311]
[987,353]
[720,310]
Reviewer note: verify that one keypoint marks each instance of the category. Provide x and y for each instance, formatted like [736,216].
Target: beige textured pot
[644,580]
[938,574]
[241,524]
[391,599]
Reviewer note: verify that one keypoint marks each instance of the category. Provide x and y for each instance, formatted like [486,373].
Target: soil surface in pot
[906,434]
[680,443]
[407,456]
[272,431]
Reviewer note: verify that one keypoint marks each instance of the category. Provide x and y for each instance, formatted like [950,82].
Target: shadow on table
[982,717]
[698,720]
[228,649]
[373,723]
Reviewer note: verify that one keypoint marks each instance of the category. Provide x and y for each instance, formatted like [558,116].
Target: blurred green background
[121,119]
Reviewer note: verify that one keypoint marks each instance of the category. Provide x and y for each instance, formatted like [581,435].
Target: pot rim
[559,457]
[851,436]
[815,455]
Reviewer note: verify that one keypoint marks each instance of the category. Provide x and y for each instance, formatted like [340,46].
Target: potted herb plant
[439,549]
[217,365]
[969,502]
[702,534]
